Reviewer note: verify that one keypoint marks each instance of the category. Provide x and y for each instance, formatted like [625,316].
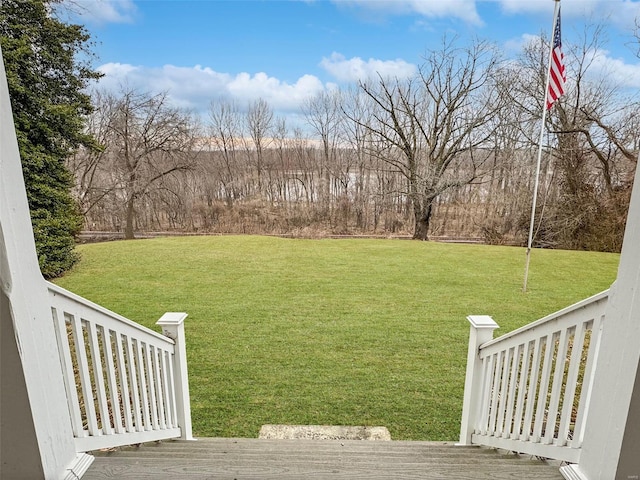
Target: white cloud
[464,10]
[625,14]
[516,45]
[195,87]
[533,6]
[354,69]
[111,70]
[103,11]
[601,64]
[615,70]
[620,12]
[281,95]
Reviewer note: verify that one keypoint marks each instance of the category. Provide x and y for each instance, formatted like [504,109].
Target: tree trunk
[423,219]
[128,229]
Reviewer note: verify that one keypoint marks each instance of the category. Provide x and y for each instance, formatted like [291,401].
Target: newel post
[172,324]
[481,331]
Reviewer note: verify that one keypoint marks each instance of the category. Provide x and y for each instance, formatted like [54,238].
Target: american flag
[557,76]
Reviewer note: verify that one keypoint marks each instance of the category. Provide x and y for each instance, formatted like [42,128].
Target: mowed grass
[339,332]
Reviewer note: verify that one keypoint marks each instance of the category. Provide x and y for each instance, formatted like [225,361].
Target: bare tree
[425,126]
[590,144]
[259,122]
[323,113]
[283,147]
[148,140]
[595,158]
[356,137]
[226,134]
[90,166]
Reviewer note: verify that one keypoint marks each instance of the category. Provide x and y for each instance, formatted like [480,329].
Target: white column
[172,324]
[481,331]
[611,448]
[36,440]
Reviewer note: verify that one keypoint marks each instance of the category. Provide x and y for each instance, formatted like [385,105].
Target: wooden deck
[253,459]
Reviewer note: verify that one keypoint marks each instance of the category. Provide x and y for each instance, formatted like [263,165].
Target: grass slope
[351,332]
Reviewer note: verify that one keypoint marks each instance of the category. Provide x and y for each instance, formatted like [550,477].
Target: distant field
[339,332]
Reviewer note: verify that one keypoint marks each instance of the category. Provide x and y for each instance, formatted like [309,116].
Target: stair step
[315,459]
[305,452]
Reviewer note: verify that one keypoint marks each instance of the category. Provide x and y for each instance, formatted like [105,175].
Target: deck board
[249,459]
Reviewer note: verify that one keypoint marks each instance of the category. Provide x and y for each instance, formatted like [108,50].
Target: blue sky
[284,51]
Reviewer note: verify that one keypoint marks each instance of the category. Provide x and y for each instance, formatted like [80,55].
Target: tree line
[450,151]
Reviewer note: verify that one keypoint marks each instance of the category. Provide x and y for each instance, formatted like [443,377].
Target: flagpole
[542,128]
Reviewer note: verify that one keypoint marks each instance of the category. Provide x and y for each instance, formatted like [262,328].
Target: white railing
[125,383]
[529,391]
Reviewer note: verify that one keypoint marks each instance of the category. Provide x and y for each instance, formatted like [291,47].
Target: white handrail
[545,320]
[528,391]
[125,383]
[82,302]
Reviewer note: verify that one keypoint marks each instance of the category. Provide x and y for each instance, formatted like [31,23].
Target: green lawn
[341,332]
